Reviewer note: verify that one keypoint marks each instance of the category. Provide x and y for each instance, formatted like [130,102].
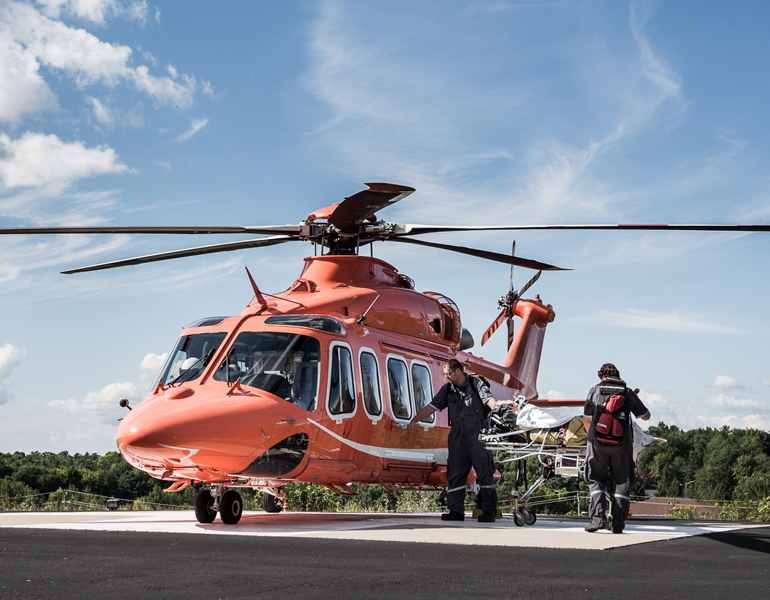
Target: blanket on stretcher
[563,426]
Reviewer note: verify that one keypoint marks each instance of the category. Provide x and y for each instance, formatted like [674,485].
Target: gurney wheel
[529,517]
[518,518]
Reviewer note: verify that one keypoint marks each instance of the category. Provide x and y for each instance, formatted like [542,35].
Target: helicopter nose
[197,430]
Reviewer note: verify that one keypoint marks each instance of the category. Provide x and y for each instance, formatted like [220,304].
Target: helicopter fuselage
[317,384]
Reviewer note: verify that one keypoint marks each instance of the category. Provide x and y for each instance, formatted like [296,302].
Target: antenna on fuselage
[362,318]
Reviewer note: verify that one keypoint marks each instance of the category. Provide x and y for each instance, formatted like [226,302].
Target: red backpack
[609,429]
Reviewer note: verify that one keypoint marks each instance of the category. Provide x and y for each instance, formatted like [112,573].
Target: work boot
[486,518]
[453,516]
[594,526]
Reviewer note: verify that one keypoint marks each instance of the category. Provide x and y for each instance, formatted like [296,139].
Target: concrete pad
[547,532]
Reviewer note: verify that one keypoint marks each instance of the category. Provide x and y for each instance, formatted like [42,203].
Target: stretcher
[556,436]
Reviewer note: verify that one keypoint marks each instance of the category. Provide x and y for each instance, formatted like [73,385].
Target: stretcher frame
[560,461]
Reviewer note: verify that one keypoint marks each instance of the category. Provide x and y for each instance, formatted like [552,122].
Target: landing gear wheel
[529,517]
[204,507]
[230,507]
[271,504]
[518,518]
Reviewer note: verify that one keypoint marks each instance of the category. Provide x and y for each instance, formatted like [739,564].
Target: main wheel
[518,518]
[271,504]
[230,507]
[529,517]
[204,507]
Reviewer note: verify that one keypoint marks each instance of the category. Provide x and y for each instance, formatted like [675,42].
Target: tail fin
[519,370]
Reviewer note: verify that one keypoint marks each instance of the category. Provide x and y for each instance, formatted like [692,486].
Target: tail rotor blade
[493,327]
[529,284]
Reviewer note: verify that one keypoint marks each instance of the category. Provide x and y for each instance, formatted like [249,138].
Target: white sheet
[533,417]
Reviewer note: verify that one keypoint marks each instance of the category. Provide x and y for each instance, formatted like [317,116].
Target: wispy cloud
[195,126]
[725,402]
[672,321]
[727,382]
[419,122]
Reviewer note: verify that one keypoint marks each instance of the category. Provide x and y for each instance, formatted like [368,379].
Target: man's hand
[410,427]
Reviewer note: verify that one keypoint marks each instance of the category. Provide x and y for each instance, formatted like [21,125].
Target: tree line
[730,467]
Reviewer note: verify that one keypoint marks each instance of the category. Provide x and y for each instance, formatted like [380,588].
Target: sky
[131,112]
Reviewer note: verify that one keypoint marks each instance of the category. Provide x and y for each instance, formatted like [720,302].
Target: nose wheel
[271,502]
[229,505]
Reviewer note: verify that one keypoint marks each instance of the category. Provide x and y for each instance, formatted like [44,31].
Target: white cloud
[29,40]
[765,381]
[725,402]
[104,402]
[662,408]
[673,321]
[163,164]
[195,126]
[10,358]
[753,421]
[555,395]
[151,365]
[36,159]
[102,113]
[96,11]
[99,403]
[22,89]
[727,382]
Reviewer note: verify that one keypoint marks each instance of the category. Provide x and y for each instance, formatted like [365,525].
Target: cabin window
[282,364]
[423,391]
[398,384]
[342,392]
[190,356]
[370,382]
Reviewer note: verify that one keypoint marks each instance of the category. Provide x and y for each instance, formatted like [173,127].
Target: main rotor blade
[226,247]
[503,258]
[353,211]
[411,229]
[270,229]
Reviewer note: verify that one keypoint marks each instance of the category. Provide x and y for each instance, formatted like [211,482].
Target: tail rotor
[506,304]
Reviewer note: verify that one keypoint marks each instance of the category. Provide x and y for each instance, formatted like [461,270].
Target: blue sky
[129,112]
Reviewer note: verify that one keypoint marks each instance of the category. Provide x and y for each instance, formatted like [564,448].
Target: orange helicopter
[317,384]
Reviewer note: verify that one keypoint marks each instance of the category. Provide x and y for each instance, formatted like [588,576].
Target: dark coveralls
[467,419]
[619,459]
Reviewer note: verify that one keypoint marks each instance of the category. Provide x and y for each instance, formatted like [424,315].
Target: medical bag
[609,428]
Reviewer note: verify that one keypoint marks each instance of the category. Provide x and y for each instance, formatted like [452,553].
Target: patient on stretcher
[558,426]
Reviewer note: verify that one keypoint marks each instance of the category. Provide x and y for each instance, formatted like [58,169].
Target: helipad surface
[547,532]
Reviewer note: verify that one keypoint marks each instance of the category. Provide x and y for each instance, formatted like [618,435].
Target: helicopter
[318,383]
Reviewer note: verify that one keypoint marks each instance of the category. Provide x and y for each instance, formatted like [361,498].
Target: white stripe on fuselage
[422,455]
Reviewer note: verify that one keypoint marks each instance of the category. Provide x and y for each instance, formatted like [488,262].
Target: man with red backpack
[607,418]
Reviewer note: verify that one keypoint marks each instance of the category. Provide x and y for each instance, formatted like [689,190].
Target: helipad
[547,532]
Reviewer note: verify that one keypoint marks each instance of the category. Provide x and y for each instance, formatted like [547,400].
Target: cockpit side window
[190,356]
[342,392]
[283,364]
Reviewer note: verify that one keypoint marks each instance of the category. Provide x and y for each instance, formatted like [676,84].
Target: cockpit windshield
[283,364]
[190,356]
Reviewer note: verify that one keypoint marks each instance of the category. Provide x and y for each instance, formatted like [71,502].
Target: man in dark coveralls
[619,459]
[464,396]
